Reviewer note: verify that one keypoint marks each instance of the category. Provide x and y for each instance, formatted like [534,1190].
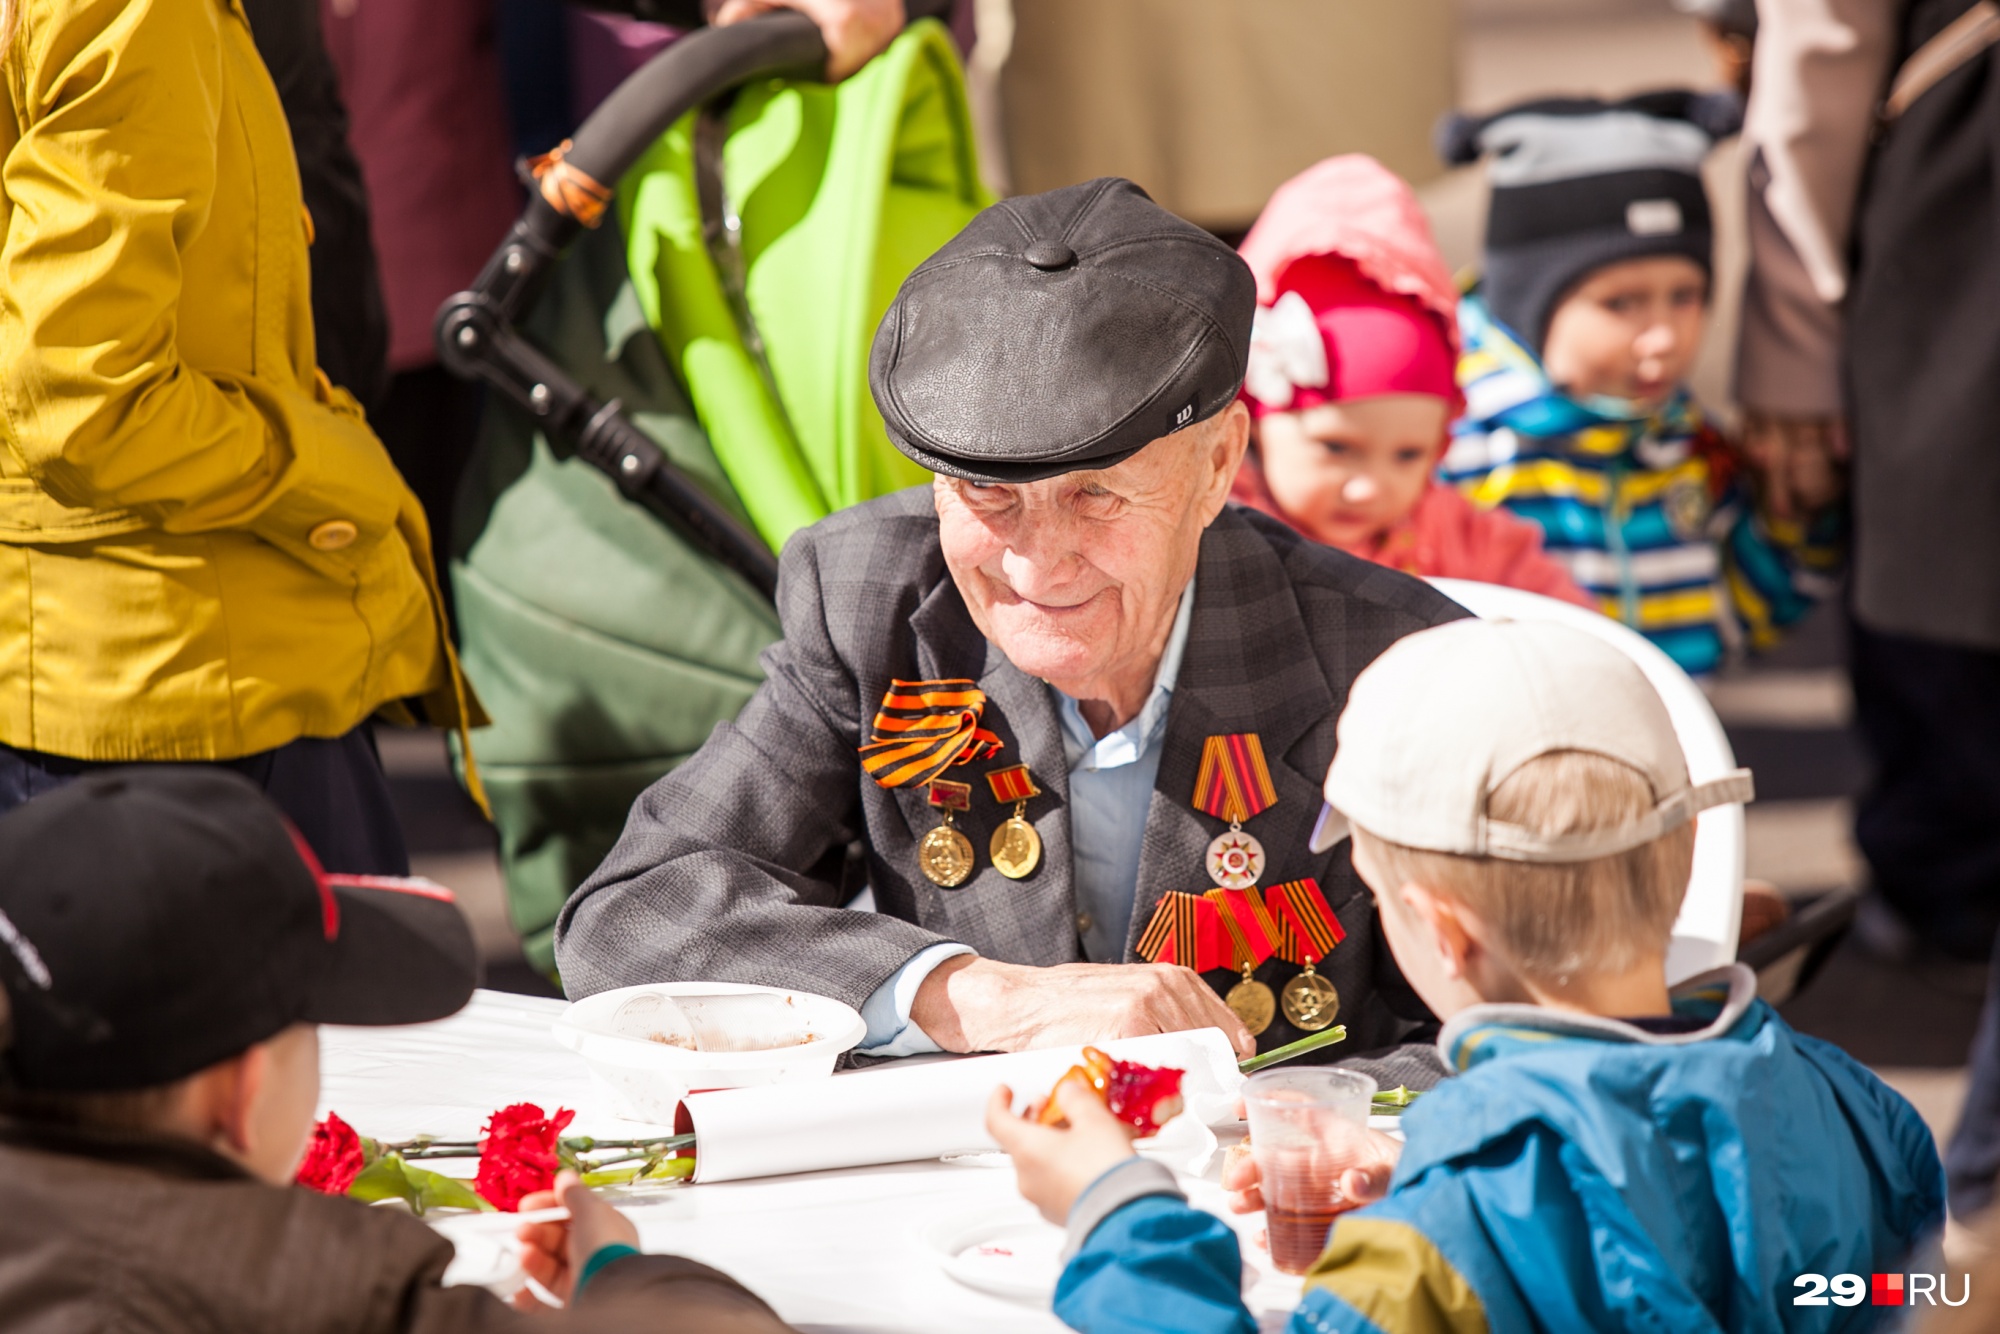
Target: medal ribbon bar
[1013,783]
[1250,946]
[1171,937]
[1308,930]
[925,727]
[1233,782]
[942,792]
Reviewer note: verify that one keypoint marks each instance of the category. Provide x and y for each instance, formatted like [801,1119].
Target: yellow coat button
[333,535]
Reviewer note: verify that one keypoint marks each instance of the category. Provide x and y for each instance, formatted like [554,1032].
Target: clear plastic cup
[1301,1149]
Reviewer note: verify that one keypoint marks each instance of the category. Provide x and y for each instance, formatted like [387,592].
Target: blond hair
[1558,921]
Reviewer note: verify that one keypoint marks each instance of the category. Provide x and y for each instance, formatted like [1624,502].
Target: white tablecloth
[847,1250]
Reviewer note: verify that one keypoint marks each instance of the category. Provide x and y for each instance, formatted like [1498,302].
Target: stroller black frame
[478,337]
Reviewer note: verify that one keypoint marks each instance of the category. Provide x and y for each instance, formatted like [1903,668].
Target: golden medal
[1016,848]
[922,729]
[1252,1001]
[1234,784]
[1311,1002]
[1307,932]
[945,855]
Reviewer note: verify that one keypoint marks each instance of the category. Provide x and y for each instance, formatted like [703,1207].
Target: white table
[844,1250]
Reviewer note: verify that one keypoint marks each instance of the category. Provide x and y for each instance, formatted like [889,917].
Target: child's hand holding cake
[1084,1128]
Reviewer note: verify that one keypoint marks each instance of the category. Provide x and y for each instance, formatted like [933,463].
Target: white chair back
[1705,933]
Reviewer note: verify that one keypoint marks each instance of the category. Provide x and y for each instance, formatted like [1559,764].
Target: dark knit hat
[1579,184]
[1061,331]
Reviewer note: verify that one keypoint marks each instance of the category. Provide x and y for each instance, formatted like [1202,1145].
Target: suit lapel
[1249,667]
[1040,911]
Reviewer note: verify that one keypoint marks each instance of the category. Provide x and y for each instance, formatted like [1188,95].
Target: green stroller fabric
[603,645]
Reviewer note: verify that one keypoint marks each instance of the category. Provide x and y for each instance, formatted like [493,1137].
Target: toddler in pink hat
[1352,385]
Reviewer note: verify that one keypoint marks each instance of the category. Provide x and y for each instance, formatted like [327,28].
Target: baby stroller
[679,368]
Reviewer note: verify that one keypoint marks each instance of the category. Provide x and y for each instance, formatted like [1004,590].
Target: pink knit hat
[1354,300]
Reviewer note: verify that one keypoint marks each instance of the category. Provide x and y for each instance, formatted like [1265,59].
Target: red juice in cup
[1306,1128]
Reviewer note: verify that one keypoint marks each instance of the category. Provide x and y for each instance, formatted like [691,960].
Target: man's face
[1078,578]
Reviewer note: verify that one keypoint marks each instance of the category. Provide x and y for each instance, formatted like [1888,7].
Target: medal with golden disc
[1252,1002]
[1016,848]
[945,855]
[1311,1003]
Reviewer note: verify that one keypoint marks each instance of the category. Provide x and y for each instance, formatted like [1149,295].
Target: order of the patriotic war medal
[1235,859]
[1016,848]
[945,855]
[1252,1002]
[1310,1001]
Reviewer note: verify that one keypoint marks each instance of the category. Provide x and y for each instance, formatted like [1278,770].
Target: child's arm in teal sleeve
[1778,570]
[1159,1265]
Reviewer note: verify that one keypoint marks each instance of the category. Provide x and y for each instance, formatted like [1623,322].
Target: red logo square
[1887,1290]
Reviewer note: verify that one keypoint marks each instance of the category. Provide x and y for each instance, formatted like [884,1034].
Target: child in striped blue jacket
[1577,346]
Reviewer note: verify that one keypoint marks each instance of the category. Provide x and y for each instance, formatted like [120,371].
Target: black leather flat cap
[1061,331]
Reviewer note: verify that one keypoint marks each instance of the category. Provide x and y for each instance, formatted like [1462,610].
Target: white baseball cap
[1448,714]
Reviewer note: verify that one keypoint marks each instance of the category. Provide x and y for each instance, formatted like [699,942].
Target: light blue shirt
[1110,792]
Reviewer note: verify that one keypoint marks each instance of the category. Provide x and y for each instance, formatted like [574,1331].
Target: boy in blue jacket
[1610,1154]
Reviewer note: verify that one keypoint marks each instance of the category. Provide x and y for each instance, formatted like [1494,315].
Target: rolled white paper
[909,1113]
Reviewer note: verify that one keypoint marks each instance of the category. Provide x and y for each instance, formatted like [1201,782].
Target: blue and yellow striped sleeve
[1777,571]
[1383,1276]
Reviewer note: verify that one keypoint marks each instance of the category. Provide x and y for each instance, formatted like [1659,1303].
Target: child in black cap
[1577,347]
[167,950]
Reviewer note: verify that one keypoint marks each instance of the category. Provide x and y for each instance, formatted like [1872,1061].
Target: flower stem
[1251,1065]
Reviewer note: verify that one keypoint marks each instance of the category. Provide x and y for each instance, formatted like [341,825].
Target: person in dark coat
[350,324]
[1871,332]
[154,1106]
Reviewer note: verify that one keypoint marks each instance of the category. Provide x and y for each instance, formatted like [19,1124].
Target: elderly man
[1074,707]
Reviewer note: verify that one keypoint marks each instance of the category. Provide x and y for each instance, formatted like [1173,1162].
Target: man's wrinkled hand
[974,1004]
[1054,1164]
[856,31]
[1800,462]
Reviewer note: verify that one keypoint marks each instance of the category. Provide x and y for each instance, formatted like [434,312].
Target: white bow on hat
[1287,352]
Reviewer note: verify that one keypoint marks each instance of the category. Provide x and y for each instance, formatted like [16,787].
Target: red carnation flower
[519,1153]
[333,1159]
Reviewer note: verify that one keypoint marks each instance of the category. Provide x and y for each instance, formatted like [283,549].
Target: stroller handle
[477,337]
[695,69]
[689,72]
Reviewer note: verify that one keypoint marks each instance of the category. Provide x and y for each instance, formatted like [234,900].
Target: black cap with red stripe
[156,920]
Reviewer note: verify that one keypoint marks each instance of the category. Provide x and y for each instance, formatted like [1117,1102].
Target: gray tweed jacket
[729,867]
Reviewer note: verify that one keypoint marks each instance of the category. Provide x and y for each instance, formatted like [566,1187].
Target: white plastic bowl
[647,1080]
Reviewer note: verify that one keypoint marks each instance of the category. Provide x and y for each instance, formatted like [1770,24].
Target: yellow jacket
[204,551]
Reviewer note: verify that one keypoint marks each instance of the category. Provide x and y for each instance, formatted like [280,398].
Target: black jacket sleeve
[350,322]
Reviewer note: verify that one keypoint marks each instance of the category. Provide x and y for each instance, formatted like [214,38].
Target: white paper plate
[647,1080]
[1006,1250]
